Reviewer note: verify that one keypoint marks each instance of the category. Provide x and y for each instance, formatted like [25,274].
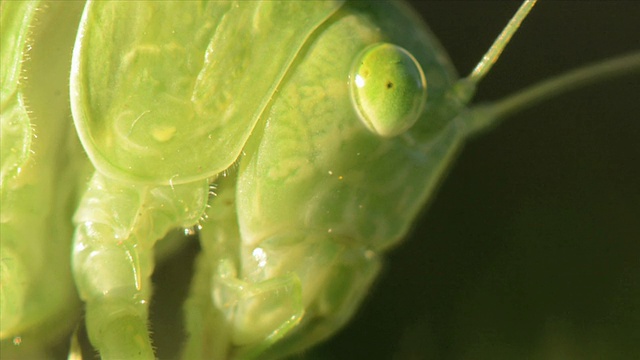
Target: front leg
[269,297]
[117,227]
[298,286]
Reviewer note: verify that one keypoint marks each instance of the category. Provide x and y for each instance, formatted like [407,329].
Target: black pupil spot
[389,85]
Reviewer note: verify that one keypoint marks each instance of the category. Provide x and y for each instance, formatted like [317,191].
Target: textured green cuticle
[388,88]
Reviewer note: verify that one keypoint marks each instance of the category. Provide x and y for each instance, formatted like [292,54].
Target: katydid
[299,139]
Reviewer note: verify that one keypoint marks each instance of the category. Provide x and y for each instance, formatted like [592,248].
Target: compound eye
[388,89]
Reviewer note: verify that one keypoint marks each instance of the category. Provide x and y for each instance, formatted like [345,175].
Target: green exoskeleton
[300,139]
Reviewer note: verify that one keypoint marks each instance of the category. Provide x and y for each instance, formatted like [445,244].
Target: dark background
[531,248]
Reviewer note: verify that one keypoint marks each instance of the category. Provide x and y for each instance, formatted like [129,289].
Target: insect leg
[117,227]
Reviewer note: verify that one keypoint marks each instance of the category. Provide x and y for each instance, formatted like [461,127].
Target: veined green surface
[445,294]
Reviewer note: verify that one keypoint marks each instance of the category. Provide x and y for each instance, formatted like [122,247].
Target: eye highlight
[388,89]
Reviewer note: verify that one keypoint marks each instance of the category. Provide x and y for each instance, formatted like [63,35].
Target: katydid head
[339,170]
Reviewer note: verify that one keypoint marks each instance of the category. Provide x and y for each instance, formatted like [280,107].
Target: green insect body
[349,193]
[42,164]
[323,149]
[314,183]
[16,141]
